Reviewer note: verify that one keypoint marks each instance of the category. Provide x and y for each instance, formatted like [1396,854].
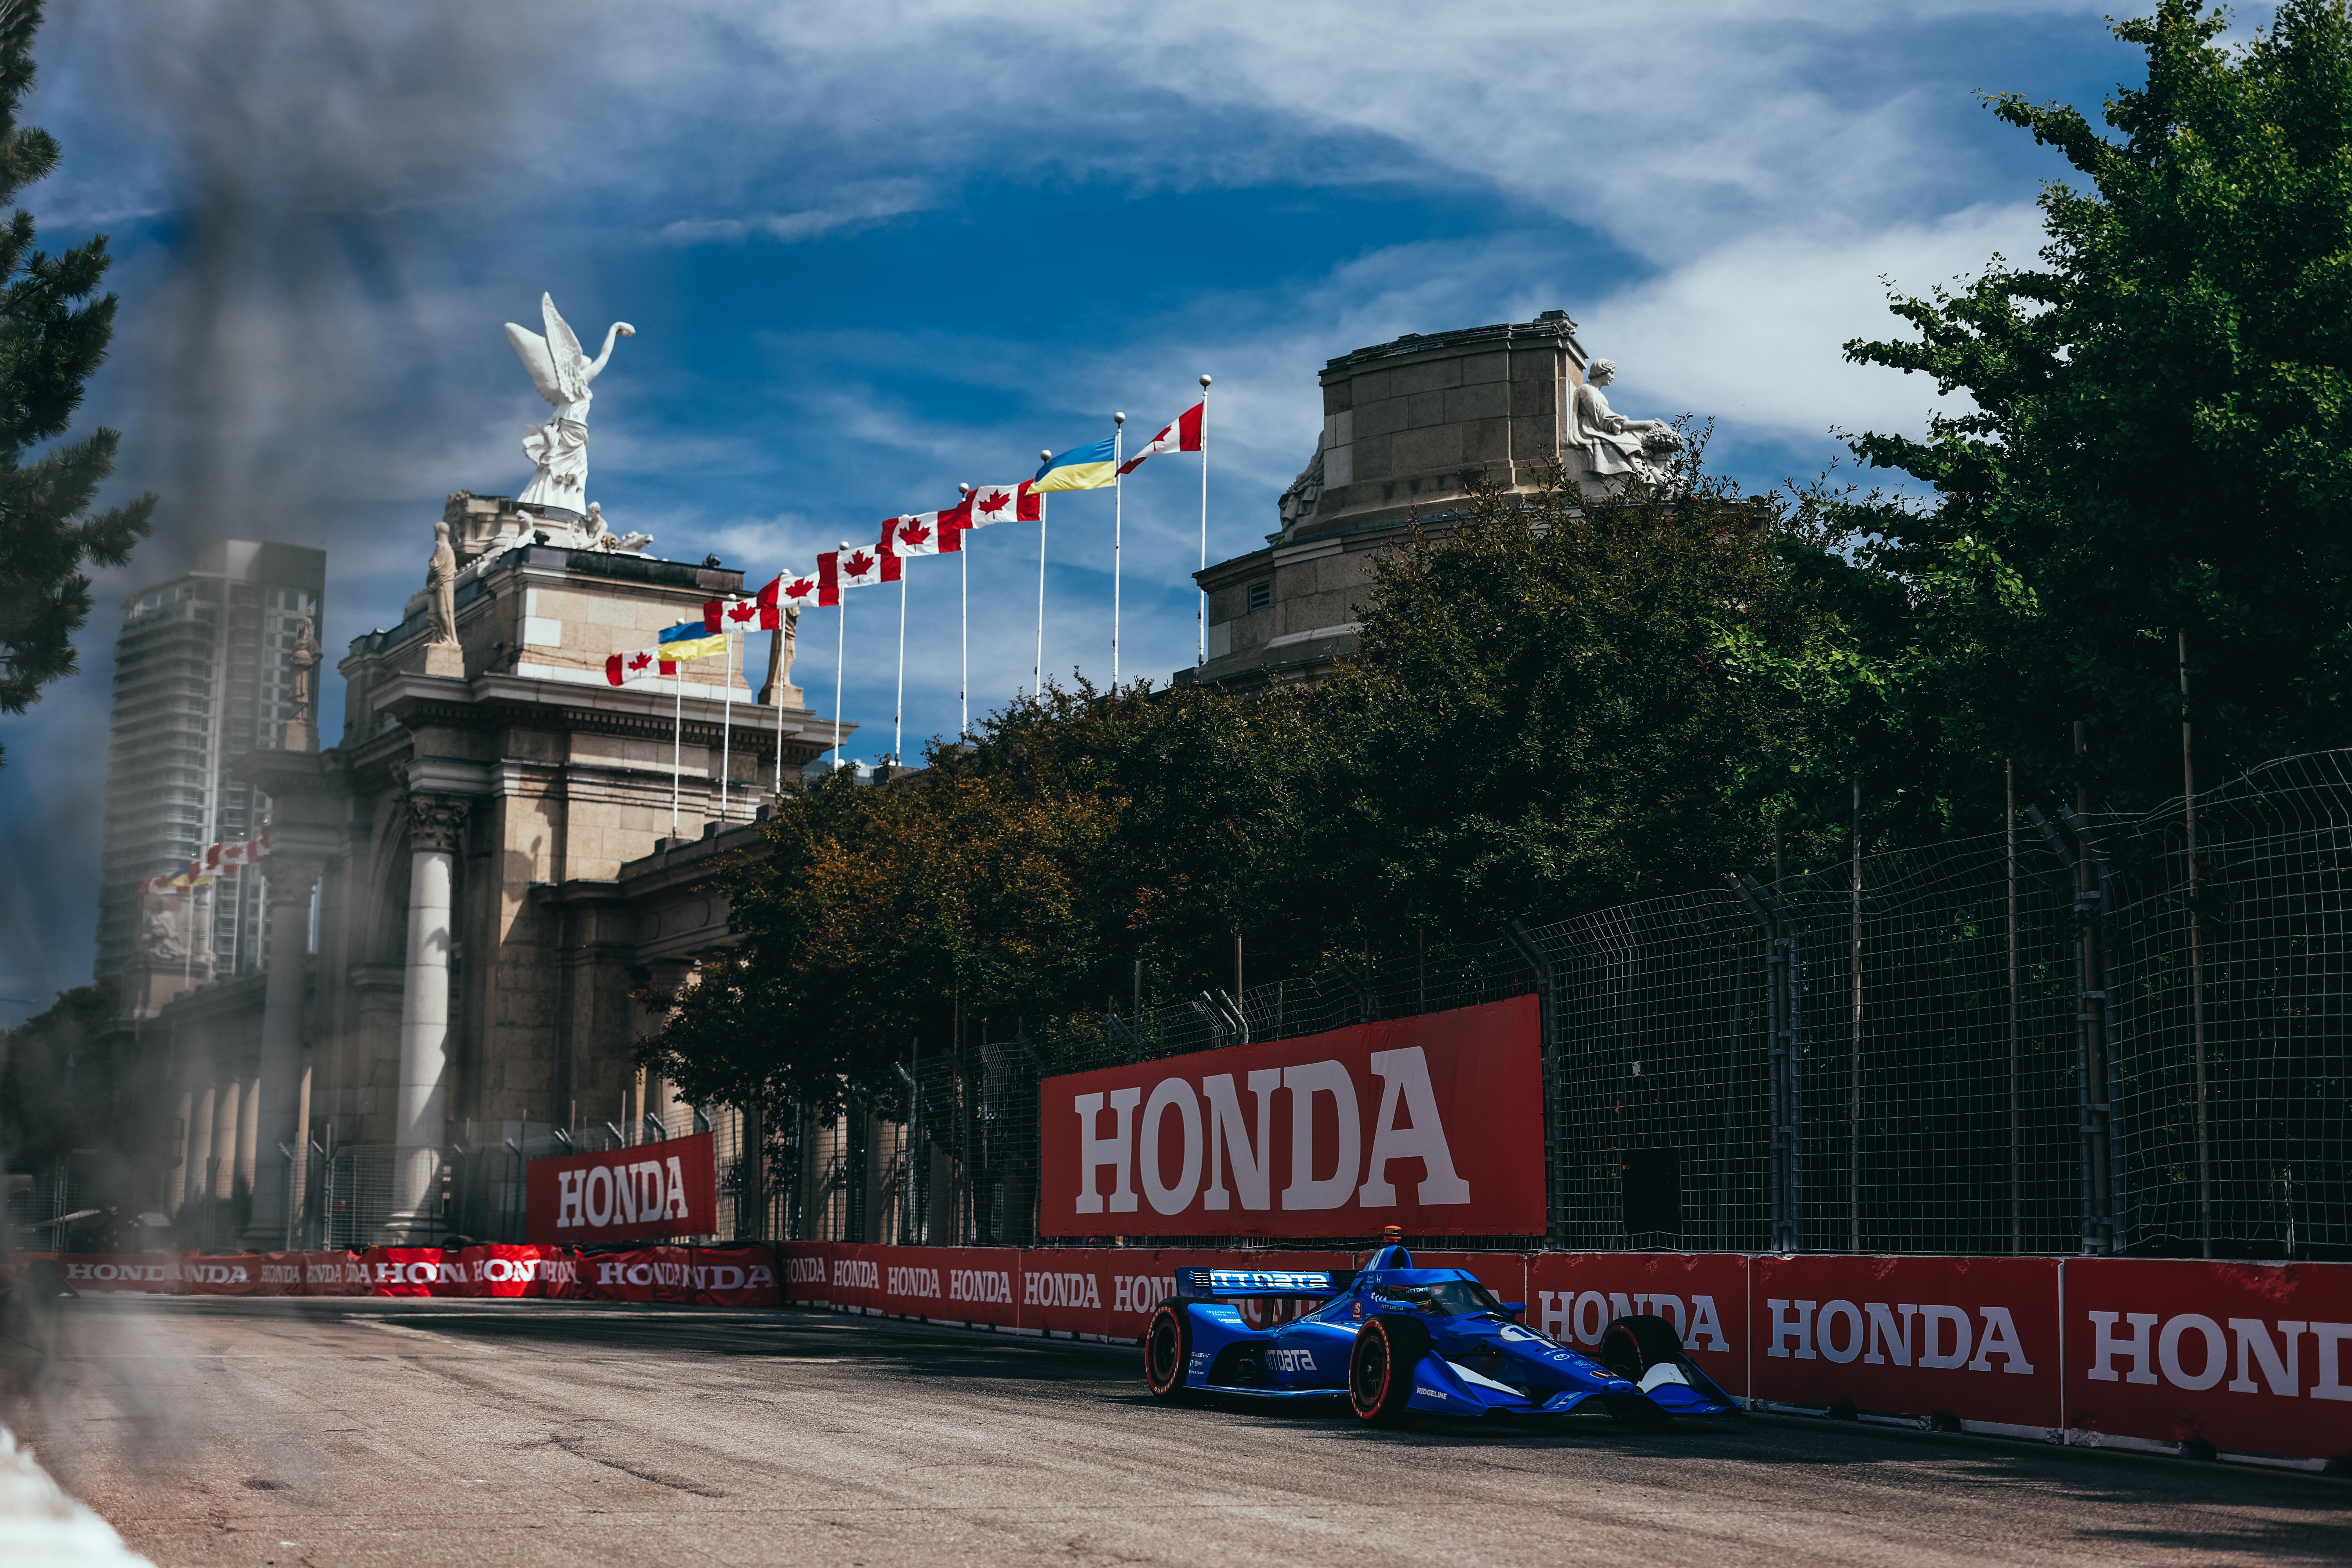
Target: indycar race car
[1395,1340]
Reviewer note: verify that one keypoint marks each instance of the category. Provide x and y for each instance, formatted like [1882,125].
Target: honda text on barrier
[1396,1341]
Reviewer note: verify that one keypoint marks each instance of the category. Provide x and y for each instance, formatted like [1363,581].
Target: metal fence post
[2095,1018]
[1548,1032]
[1783,984]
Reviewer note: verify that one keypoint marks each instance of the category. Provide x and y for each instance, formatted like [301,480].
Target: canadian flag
[643,665]
[797,591]
[762,611]
[1185,435]
[156,885]
[839,569]
[952,525]
[1004,503]
[241,853]
[917,533]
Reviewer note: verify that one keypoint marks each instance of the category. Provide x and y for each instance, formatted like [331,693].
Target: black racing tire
[1380,1369]
[1631,1346]
[1168,1354]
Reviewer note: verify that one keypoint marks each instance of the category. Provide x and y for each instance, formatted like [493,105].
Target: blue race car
[1396,1341]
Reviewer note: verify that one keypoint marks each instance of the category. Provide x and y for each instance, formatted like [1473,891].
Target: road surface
[408,1432]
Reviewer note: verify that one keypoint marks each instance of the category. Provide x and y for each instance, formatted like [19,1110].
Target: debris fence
[2057,1040]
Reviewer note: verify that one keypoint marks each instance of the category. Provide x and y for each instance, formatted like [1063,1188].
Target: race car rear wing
[1236,1284]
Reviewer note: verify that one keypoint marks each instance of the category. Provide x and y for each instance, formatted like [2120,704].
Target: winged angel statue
[562,372]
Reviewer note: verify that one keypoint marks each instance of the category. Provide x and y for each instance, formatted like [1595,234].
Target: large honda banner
[1432,1122]
[654,1190]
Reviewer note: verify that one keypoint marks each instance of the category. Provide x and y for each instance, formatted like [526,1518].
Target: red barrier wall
[148,1271]
[1574,1296]
[1975,1338]
[2246,1356]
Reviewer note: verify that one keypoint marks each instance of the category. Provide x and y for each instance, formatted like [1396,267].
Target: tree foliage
[2160,431]
[53,336]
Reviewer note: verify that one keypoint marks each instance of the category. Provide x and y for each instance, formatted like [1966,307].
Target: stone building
[504,847]
[1407,426]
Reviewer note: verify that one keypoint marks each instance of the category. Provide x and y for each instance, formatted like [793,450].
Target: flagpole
[676,734]
[777,686]
[1201,617]
[840,642]
[963,592]
[899,714]
[1037,672]
[726,722]
[1117,435]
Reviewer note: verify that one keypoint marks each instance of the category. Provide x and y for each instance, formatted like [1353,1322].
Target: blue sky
[874,250]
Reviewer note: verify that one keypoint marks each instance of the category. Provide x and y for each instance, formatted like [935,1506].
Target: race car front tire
[1379,1370]
[1631,1346]
[1168,1354]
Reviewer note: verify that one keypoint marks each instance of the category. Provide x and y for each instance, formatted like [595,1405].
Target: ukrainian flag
[691,639]
[1091,468]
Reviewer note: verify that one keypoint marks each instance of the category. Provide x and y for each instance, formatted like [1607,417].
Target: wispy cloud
[854,209]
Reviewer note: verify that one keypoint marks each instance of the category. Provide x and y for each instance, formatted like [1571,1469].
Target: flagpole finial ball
[1204,383]
[1043,456]
[963,490]
[1118,418]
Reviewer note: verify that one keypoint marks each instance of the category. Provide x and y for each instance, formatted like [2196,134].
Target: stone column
[224,1149]
[200,1146]
[435,825]
[248,1112]
[277,1110]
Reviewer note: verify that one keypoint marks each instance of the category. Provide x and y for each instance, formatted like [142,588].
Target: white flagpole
[840,641]
[676,734]
[1037,672]
[779,686]
[1117,435]
[1201,617]
[898,715]
[726,722]
[963,592]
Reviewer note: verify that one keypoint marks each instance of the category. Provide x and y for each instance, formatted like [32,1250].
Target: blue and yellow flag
[1090,467]
[690,640]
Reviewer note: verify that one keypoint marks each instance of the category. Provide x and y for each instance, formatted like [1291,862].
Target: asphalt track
[518,1434]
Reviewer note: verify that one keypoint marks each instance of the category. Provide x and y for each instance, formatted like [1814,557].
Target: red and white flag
[1185,435]
[953,523]
[797,591]
[917,533]
[156,885]
[244,852]
[840,569]
[1004,503]
[762,612]
[643,665]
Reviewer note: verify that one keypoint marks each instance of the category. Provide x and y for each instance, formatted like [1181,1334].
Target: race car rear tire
[1631,1346]
[1379,1370]
[1168,1354]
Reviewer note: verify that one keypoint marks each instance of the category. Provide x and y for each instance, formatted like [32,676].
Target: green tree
[1020,880]
[53,335]
[2159,436]
[1573,700]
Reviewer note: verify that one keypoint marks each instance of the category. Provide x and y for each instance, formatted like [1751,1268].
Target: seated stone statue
[1611,444]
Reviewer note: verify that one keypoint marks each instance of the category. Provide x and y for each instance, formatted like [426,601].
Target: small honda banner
[644,1193]
[1575,1296]
[1432,1122]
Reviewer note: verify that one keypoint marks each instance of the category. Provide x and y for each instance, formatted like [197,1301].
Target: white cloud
[856,207]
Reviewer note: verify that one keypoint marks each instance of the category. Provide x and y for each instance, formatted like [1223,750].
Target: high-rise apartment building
[203,675]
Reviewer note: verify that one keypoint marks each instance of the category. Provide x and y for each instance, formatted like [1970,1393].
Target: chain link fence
[2057,1039]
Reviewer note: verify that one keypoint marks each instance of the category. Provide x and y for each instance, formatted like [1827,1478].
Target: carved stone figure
[441,588]
[596,535]
[1297,504]
[304,663]
[561,371]
[163,927]
[1611,444]
[783,647]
